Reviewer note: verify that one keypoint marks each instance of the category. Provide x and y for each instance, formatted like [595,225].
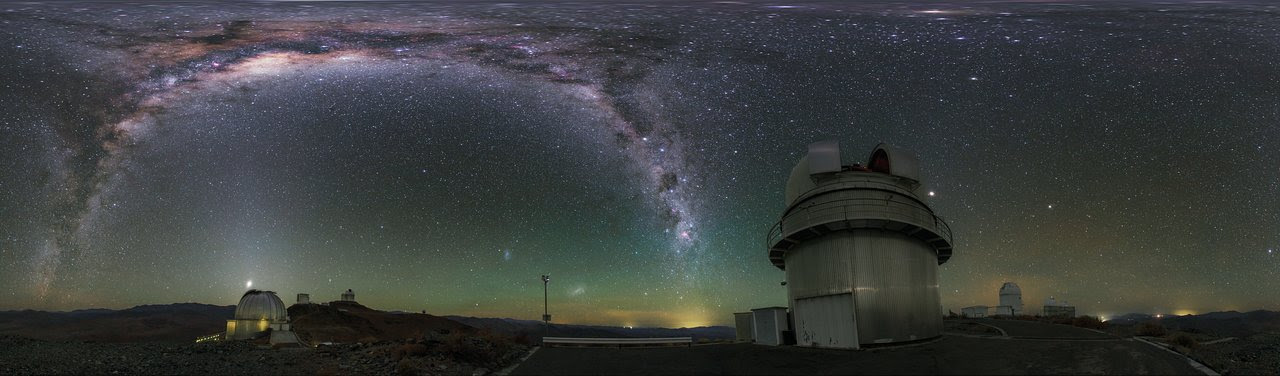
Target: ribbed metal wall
[826,321]
[769,324]
[893,279]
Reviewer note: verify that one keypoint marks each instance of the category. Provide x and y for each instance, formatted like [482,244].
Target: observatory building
[349,296]
[1058,308]
[974,312]
[257,312]
[861,250]
[1010,300]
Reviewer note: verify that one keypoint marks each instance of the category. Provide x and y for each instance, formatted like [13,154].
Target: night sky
[440,157]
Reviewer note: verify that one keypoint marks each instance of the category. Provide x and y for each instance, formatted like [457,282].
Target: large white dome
[1010,288]
[261,305]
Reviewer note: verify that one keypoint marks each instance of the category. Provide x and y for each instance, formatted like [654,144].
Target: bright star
[248,284]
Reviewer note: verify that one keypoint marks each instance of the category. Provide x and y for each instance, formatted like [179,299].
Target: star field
[441,157]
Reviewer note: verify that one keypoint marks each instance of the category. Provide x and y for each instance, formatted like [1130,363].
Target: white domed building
[258,312]
[1010,300]
[860,247]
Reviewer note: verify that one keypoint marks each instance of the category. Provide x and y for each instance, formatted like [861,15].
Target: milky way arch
[601,67]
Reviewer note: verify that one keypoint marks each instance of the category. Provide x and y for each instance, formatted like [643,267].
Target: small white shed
[769,323]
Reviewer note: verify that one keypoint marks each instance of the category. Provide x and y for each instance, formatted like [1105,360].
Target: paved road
[950,355]
[1032,329]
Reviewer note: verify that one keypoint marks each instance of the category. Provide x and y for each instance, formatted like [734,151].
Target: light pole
[546,315]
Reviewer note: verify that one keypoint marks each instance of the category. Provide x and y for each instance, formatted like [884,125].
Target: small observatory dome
[261,305]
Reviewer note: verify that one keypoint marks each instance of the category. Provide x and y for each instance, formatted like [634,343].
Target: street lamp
[546,315]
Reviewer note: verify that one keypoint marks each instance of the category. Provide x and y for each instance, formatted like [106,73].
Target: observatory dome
[1011,297]
[1010,288]
[261,305]
[860,248]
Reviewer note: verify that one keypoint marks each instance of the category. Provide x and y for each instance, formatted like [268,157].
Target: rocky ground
[1257,354]
[438,353]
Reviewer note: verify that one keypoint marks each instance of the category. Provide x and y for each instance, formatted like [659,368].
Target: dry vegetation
[1150,329]
[1084,321]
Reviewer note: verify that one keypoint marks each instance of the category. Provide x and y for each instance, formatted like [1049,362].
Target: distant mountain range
[536,329]
[183,322]
[180,322]
[1226,324]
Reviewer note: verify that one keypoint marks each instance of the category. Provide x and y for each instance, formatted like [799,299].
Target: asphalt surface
[952,354]
[1032,329]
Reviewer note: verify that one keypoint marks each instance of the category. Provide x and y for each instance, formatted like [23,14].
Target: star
[400,151]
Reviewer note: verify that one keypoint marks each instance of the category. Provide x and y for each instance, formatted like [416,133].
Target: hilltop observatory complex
[861,249]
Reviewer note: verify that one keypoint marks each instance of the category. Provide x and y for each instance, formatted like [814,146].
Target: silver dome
[1010,288]
[261,305]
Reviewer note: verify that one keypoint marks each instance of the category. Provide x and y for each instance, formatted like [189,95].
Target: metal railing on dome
[846,209]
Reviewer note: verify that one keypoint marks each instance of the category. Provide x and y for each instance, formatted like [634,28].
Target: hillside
[348,322]
[536,329]
[180,322]
[1222,324]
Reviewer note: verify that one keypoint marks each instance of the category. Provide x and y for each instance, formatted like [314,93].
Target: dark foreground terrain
[1234,343]
[438,353]
[966,349]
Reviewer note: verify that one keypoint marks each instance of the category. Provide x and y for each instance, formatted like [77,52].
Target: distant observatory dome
[1011,297]
[1010,288]
[261,305]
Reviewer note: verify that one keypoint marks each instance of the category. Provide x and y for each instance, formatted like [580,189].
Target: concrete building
[975,312]
[744,326]
[257,312]
[1011,296]
[348,296]
[861,249]
[304,298]
[768,325]
[1004,310]
[1054,308]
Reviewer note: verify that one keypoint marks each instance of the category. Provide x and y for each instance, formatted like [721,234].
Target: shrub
[1150,329]
[482,348]
[408,350]
[1184,340]
[523,339]
[1090,322]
